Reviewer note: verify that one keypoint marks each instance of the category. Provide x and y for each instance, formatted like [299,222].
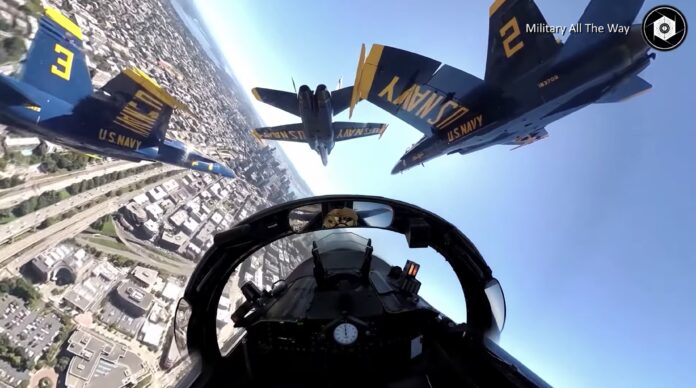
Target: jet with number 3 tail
[531,79]
[127,118]
[316,109]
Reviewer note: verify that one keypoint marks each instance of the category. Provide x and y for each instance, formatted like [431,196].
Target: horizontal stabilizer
[282,100]
[347,130]
[600,13]
[627,89]
[289,132]
[11,93]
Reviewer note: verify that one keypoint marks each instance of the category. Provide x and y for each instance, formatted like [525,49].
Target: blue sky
[591,231]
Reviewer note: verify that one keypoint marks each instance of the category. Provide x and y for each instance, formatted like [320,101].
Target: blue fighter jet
[531,79]
[127,118]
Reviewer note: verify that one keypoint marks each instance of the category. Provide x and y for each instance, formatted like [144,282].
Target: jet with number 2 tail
[316,109]
[531,79]
[127,118]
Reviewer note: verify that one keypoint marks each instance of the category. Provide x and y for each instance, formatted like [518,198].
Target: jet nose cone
[400,167]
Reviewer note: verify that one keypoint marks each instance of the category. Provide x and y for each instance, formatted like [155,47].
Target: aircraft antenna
[319,271]
[367,261]
[293,85]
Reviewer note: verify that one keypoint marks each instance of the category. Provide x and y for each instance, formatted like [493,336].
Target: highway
[14,195]
[29,221]
[40,240]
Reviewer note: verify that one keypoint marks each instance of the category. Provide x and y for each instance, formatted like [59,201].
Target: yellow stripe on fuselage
[64,22]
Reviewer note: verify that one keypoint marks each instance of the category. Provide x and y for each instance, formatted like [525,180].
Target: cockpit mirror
[376,215]
[323,216]
[181,322]
[301,217]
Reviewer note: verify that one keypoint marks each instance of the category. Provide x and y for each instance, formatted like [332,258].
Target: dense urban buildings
[96,256]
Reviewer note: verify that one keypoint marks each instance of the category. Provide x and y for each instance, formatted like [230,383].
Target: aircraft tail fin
[340,99]
[131,110]
[517,40]
[55,62]
[600,13]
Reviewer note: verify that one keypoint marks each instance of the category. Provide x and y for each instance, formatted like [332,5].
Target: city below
[96,252]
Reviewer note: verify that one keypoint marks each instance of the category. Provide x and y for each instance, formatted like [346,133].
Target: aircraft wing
[288,132]
[413,87]
[282,100]
[340,99]
[602,13]
[347,130]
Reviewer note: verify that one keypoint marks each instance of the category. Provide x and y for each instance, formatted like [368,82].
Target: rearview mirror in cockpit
[376,215]
[181,321]
[322,216]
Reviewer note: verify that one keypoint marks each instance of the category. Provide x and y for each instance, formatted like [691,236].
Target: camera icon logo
[664,28]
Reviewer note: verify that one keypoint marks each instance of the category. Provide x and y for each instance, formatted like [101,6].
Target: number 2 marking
[63,66]
[512,30]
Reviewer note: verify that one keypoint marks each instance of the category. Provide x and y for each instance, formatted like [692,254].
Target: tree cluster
[14,180]
[121,261]
[45,199]
[11,49]
[15,356]
[20,288]
[99,223]
[67,161]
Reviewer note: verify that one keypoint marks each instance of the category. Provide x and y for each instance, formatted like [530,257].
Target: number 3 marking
[63,65]
[511,35]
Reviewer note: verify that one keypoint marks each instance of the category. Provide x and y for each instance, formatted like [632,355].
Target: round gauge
[345,333]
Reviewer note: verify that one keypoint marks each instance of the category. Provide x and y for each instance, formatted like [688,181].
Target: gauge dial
[345,333]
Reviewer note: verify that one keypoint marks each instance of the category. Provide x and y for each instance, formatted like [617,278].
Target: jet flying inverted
[531,79]
[316,109]
[127,118]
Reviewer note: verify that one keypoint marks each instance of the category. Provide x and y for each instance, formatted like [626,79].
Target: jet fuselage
[56,121]
[549,92]
[52,116]
[316,113]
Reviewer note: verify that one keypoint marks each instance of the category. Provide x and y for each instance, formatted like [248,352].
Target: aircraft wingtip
[256,94]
